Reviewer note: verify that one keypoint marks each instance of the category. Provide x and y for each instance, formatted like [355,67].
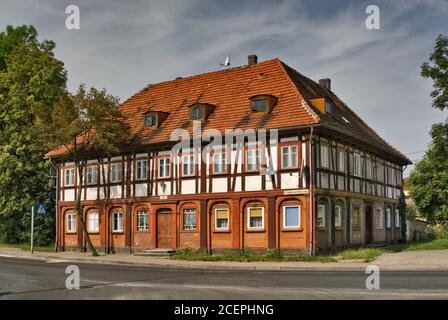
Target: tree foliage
[31,78]
[83,124]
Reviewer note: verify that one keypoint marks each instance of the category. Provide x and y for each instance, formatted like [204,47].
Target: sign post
[32,228]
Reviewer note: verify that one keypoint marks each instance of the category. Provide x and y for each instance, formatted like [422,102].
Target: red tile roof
[229,91]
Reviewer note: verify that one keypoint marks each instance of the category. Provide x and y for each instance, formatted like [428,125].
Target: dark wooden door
[164,229]
[369,225]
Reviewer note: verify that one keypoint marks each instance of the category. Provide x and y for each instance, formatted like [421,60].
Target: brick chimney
[252,59]
[326,83]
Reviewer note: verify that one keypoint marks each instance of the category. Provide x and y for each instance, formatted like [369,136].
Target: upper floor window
[368,169]
[69,177]
[141,169]
[188,165]
[357,164]
[219,163]
[324,156]
[341,160]
[197,113]
[164,168]
[262,103]
[151,120]
[289,157]
[328,107]
[115,172]
[380,172]
[91,174]
[253,159]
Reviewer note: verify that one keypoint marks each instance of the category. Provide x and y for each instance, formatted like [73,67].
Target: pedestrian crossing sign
[41,209]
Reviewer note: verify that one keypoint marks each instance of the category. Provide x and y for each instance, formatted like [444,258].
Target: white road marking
[6,256]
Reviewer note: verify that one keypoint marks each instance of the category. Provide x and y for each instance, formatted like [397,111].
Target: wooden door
[164,229]
[369,225]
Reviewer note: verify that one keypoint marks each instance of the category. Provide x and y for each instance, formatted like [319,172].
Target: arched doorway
[369,224]
[164,230]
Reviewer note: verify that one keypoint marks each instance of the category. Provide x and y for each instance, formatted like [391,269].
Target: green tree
[30,78]
[81,125]
[437,70]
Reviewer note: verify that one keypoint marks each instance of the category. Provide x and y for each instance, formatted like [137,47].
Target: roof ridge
[305,104]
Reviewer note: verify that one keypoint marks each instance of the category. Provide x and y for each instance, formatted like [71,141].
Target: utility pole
[32,228]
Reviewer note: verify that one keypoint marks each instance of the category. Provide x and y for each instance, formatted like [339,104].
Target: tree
[83,124]
[437,70]
[30,77]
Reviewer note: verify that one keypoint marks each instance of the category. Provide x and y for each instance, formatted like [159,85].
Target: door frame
[174,214]
[369,224]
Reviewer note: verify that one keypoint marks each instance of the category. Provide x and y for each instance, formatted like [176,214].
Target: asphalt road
[34,279]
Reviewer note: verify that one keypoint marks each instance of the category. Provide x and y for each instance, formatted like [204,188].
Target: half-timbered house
[316,177]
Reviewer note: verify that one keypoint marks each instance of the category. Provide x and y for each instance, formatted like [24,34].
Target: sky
[123,46]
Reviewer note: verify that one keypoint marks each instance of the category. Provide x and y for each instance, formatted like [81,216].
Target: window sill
[222,231]
[117,232]
[256,230]
[70,232]
[164,178]
[94,233]
[190,231]
[142,231]
[292,229]
[219,173]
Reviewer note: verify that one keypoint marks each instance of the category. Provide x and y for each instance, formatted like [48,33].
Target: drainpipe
[311,194]
[56,204]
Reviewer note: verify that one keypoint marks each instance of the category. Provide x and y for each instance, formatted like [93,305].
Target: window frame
[216,219]
[89,214]
[249,228]
[95,176]
[324,218]
[140,213]
[197,107]
[223,155]
[164,159]
[72,184]
[388,218]
[73,220]
[338,208]
[195,226]
[357,172]
[190,164]
[114,230]
[339,153]
[255,100]
[150,115]
[397,219]
[289,156]
[113,172]
[322,153]
[299,207]
[246,166]
[140,171]
[379,215]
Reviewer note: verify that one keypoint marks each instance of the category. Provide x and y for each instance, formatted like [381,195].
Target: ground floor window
[71,222]
[255,218]
[221,219]
[388,218]
[397,218]
[356,213]
[93,222]
[117,221]
[291,216]
[189,219]
[142,220]
[321,216]
[338,216]
[379,218]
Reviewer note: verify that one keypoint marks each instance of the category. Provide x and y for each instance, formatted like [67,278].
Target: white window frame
[220,160]
[357,165]
[290,157]
[369,169]
[92,171]
[256,155]
[299,220]
[141,169]
[139,226]
[324,156]
[249,216]
[339,210]
[340,154]
[164,162]
[397,218]
[115,227]
[71,180]
[388,218]
[70,222]
[96,222]
[190,227]
[116,172]
[228,219]
[319,207]
[188,160]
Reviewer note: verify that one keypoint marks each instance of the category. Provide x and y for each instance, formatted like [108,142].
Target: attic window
[151,120]
[263,103]
[328,107]
[197,113]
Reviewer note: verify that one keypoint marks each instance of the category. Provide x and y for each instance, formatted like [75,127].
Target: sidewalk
[402,261]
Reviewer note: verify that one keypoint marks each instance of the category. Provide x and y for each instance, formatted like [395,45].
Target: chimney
[326,83]
[252,59]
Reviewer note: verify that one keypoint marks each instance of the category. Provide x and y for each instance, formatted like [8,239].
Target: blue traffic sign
[41,209]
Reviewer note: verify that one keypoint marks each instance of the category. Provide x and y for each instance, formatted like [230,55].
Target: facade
[297,170]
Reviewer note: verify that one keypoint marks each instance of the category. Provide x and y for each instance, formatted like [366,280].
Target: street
[33,279]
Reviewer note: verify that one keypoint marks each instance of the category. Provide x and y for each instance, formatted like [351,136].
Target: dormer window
[150,120]
[328,107]
[155,118]
[263,103]
[197,113]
